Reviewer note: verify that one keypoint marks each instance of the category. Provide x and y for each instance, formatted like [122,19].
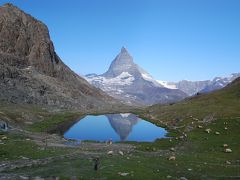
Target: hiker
[3,126]
[96,163]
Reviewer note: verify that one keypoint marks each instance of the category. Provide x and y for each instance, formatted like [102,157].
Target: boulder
[121,153]
[123,174]
[208,130]
[110,153]
[228,150]
[172,158]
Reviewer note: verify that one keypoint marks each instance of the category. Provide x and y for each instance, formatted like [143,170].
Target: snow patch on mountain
[125,115]
[167,84]
[149,78]
[123,79]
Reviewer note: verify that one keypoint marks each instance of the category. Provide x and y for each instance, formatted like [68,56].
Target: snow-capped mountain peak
[123,62]
[126,81]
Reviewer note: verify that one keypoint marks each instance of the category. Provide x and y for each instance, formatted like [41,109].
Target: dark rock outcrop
[31,71]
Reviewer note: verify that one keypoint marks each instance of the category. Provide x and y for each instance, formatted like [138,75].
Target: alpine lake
[115,128]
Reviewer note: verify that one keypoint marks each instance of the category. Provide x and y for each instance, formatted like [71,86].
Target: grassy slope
[218,104]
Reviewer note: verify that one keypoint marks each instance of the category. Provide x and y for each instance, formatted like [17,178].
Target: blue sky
[171,39]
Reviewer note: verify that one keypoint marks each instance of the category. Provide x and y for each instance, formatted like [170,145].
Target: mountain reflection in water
[123,124]
[118,127]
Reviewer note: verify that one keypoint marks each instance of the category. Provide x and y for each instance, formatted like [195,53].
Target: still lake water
[117,127]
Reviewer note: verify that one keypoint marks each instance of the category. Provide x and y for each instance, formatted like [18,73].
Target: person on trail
[96,163]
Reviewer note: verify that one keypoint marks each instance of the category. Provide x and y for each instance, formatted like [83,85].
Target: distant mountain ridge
[128,82]
[194,87]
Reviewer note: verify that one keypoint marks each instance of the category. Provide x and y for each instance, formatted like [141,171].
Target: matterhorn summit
[128,82]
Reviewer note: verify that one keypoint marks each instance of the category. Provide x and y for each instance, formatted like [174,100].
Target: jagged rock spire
[122,63]
[124,50]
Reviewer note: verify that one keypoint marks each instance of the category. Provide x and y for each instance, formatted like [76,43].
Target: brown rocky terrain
[31,72]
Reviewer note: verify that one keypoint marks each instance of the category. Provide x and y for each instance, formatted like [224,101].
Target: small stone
[123,174]
[168,177]
[217,133]
[38,178]
[23,177]
[172,158]
[128,158]
[183,178]
[200,127]
[172,149]
[110,153]
[28,139]
[228,162]
[189,169]
[228,150]
[121,153]
[4,138]
[22,157]
[208,130]
[225,145]
[226,128]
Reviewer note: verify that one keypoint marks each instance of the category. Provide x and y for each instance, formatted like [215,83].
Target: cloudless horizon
[171,39]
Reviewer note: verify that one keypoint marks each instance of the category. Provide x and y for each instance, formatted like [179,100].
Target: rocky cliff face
[192,87]
[128,82]
[32,72]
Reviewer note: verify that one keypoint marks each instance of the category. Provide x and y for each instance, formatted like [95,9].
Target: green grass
[201,156]
[54,120]
[16,146]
